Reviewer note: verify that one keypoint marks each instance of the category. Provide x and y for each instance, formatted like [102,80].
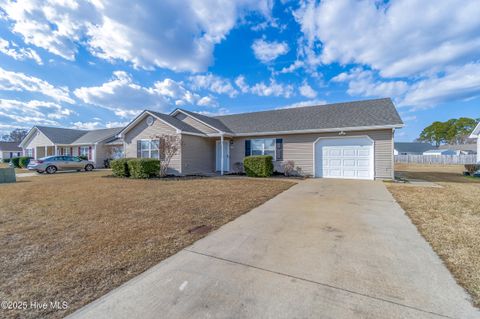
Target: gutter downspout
[221,156]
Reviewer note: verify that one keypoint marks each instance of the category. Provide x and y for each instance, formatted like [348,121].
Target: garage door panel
[363,163]
[344,158]
[349,162]
[334,172]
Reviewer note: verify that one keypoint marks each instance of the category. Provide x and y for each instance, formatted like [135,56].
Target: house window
[263,147]
[66,151]
[29,152]
[149,148]
[84,151]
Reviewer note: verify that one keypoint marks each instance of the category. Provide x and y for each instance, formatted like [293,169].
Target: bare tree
[17,135]
[169,145]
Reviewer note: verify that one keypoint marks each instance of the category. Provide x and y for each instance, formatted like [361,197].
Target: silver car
[51,164]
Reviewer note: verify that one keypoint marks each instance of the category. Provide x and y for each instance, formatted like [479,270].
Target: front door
[226,156]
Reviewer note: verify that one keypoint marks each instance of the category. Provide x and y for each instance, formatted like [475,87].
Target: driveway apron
[322,249]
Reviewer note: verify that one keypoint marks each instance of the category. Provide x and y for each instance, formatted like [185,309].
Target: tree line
[17,135]
[453,131]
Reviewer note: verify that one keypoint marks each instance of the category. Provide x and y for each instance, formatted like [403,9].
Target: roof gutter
[336,129]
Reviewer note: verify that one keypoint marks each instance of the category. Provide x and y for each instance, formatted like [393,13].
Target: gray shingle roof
[377,112]
[460,147]
[61,135]
[70,136]
[98,135]
[212,121]
[412,147]
[176,122]
[10,146]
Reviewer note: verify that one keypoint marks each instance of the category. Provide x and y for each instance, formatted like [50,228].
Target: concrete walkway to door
[322,249]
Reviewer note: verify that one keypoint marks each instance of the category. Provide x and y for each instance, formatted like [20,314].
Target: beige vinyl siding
[195,123]
[38,139]
[299,148]
[102,153]
[198,155]
[143,131]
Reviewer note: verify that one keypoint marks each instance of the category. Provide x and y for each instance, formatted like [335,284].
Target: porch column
[478,149]
[94,153]
[221,154]
[56,150]
[46,151]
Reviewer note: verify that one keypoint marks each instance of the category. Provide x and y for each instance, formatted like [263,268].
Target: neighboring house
[461,149]
[476,134]
[9,150]
[411,148]
[342,140]
[96,145]
[438,152]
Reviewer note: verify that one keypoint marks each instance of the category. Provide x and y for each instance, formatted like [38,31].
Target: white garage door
[346,157]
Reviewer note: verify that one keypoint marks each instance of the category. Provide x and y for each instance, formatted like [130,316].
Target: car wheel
[89,168]
[51,170]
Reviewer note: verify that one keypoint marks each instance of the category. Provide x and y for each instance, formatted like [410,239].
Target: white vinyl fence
[436,159]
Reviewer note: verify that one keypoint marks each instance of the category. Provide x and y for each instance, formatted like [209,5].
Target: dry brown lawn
[74,237]
[448,218]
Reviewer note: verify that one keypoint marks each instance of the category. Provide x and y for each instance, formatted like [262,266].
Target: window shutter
[248,148]
[89,153]
[71,151]
[279,149]
[139,149]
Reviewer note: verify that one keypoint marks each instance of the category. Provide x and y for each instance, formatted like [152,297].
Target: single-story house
[476,134]
[96,145]
[341,140]
[411,148]
[438,152]
[9,150]
[461,149]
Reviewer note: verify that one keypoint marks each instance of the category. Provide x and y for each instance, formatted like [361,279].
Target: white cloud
[17,53]
[177,35]
[33,112]
[98,124]
[125,97]
[87,125]
[362,82]
[458,83]
[214,84]
[268,51]
[307,91]
[292,67]
[16,81]
[398,39]
[207,101]
[265,89]
[242,85]
[303,103]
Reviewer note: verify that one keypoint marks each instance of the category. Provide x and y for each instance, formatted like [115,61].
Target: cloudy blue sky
[94,64]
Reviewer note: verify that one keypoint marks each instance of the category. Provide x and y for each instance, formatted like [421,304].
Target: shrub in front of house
[143,167]
[258,165]
[16,162]
[120,167]
[23,161]
[472,168]
[83,157]
[6,160]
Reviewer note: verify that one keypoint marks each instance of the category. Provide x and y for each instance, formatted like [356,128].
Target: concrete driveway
[323,249]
